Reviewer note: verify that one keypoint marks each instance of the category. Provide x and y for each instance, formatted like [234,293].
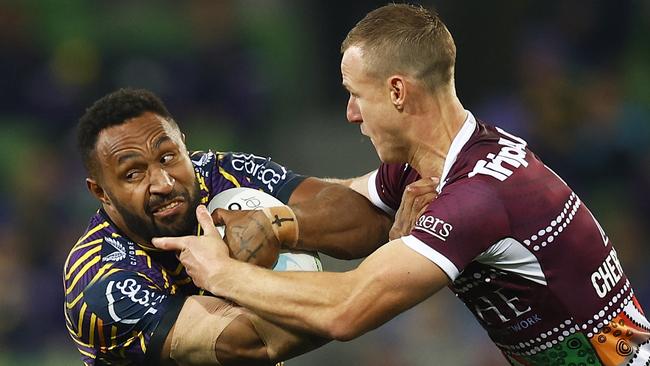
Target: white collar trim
[456,145]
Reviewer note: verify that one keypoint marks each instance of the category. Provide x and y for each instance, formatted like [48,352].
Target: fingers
[219,215]
[169,243]
[205,220]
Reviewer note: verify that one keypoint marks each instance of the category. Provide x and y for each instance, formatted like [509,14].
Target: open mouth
[168,208]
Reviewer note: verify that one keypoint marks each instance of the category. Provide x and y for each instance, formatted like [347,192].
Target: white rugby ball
[252,199]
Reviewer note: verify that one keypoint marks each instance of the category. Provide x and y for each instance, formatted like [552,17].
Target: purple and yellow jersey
[122,298]
[523,253]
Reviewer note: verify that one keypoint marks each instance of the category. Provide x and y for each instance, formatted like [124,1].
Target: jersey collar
[469,126]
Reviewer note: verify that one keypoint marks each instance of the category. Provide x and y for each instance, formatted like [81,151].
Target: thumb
[205,220]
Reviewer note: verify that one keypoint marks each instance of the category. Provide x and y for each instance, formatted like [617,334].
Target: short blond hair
[408,39]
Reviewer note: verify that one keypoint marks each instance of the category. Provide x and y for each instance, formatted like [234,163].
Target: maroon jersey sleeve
[464,221]
[387,184]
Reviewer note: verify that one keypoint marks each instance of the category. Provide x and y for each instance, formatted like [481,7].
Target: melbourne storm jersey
[121,297]
[523,253]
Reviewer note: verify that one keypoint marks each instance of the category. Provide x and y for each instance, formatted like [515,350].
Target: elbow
[344,327]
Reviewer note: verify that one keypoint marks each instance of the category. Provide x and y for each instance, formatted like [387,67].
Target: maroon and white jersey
[523,253]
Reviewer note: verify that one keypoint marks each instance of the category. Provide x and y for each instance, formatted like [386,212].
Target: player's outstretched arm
[332,305]
[335,219]
[213,331]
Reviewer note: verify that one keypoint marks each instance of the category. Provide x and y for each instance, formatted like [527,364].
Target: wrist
[221,278]
[284,224]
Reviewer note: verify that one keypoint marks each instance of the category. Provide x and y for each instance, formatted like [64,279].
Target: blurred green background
[571,77]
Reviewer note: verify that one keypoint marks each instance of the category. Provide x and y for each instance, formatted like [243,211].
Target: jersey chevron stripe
[140,335]
[81,260]
[93,230]
[101,272]
[74,302]
[228,176]
[93,320]
[81,319]
[144,254]
[81,273]
[100,332]
[77,247]
[113,336]
[178,270]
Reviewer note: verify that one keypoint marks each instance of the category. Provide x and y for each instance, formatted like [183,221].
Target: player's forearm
[295,300]
[340,222]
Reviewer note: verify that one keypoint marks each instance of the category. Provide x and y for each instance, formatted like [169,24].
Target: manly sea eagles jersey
[523,253]
[121,298]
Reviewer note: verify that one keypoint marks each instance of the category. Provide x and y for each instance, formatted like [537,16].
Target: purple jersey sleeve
[253,171]
[464,221]
[124,309]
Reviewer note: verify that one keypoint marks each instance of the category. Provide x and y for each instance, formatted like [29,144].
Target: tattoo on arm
[250,243]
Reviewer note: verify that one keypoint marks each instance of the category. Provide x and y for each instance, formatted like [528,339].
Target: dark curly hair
[111,110]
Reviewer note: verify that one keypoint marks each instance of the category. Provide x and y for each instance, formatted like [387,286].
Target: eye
[133,175]
[167,158]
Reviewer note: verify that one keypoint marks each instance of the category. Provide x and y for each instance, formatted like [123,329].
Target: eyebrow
[127,156]
[160,141]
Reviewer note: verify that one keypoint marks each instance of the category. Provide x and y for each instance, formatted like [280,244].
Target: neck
[441,118]
[121,225]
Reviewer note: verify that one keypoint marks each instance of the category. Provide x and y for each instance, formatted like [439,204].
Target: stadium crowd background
[571,77]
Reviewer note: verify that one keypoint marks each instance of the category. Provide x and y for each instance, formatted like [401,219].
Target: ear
[397,87]
[97,191]
[183,137]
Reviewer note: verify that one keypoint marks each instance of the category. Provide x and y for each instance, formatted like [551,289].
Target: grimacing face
[369,105]
[147,182]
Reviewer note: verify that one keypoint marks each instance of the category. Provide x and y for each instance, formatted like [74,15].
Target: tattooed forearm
[252,240]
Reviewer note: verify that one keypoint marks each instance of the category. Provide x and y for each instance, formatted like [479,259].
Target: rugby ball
[252,199]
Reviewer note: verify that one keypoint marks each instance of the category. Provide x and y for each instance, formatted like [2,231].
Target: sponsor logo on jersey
[513,154]
[128,293]
[499,307]
[259,168]
[117,250]
[434,226]
[607,275]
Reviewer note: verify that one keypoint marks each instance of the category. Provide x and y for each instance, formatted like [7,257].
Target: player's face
[370,106]
[148,179]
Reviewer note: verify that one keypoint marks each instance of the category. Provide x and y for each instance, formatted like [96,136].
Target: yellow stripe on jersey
[67,319]
[201,181]
[178,269]
[144,254]
[91,337]
[74,302]
[101,271]
[147,278]
[165,278]
[81,319]
[81,260]
[90,243]
[70,305]
[81,273]
[86,353]
[142,345]
[229,177]
[92,231]
[113,337]
[100,331]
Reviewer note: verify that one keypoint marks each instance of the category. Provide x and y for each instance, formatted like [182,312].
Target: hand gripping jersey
[523,253]
[121,298]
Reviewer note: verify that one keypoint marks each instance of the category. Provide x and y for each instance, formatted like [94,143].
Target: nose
[161,182]
[353,113]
